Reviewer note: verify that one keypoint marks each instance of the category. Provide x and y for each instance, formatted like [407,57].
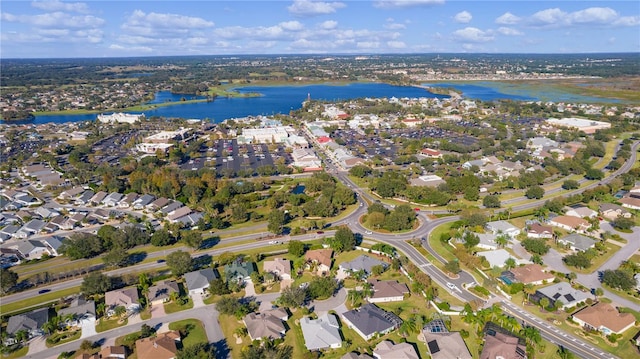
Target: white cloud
[390,4]
[472,34]
[600,15]
[508,19]
[157,20]
[627,21]
[55,20]
[130,49]
[463,17]
[292,25]
[396,44]
[329,25]
[313,8]
[593,16]
[509,31]
[394,26]
[277,32]
[56,5]
[368,45]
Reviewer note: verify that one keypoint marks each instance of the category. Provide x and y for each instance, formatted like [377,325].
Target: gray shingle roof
[199,279]
[370,319]
[28,321]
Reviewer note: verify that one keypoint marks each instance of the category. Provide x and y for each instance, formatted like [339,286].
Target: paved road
[207,315]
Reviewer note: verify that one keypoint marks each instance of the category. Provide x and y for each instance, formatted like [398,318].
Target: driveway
[249,289]
[88,327]
[157,311]
[329,304]
[198,301]
[37,344]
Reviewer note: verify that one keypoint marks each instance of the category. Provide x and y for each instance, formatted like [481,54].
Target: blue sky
[45,29]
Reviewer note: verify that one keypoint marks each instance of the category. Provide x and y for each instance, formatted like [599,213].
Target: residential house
[128,200]
[84,198]
[387,291]
[161,292]
[124,297]
[178,213]
[529,274]
[190,219]
[9,231]
[31,249]
[496,258]
[31,322]
[563,292]
[30,228]
[363,264]
[112,199]
[157,204]
[45,212]
[53,244]
[538,230]
[280,267]
[71,193]
[143,201]
[98,198]
[604,318]
[81,309]
[570,223]
[612,211]
[577,242]
[387,350]
[267,324]
[161,346]
[321,333]
[171,207]
[487,241]
[581,212]
[321,258]
[505,227]
[198,281]
[502,344]
[370,320]
[630,202]
[238,271]
[446,345]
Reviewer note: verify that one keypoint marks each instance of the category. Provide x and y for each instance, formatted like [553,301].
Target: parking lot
[228,156]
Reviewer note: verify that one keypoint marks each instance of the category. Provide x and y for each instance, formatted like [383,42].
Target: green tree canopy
[179,262]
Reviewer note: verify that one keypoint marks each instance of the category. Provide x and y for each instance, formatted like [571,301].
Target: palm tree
[355,296]
[120,310]
[564,353]
[100,309]
[532,336]
[407,327]
[502,240]
[529,289]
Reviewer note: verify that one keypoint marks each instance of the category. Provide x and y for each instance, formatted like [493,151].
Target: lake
[274,100]
[282,99]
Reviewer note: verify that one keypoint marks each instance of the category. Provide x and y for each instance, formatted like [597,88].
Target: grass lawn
[173,307]
[63,337]
[443,249]
[145,314]
[108,324]
[17,354]
[192,331]
[38,300]
[229,324]
[598,260]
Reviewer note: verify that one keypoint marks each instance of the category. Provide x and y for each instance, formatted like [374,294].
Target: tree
[544,302]
[594,174]
[322,287]
[276,221]
[179,262]
[564,353]
[453,266]
[8,279]
[579,260]
[296,248]
[623,224]
[470,240]
[82,245]
[116,257]
[618,279]
[86,345]
[344,240]
[491,201]
[534,192]
[536,246]
[192,238]
[510,263]
[146,331]
[96,283]
[570,184]
[197,351]
[218,287]
[161,237]
[502,240]
[293,297]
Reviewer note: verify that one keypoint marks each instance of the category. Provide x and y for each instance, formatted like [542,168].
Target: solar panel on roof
[491,332]
[556,296]
[569,297]
[433,347]
[520,352]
